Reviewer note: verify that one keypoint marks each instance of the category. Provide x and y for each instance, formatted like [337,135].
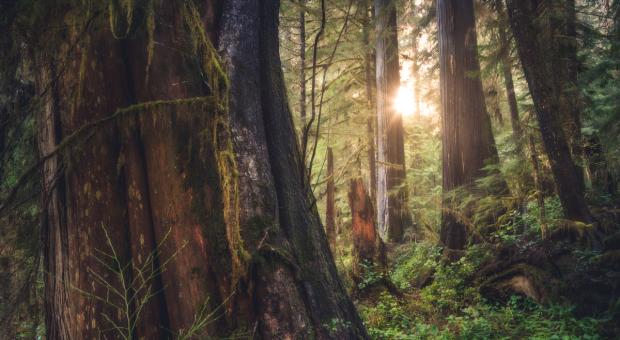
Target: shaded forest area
[309,169]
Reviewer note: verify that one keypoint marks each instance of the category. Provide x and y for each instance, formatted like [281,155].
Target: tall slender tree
[302,61]
[367,16]
[188,161]
[506,65]
[392,215]
[538,27]
[468,143]
[330,206]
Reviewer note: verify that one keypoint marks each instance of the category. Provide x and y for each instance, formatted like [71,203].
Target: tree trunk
[535,34]
[330,210]
[506,64]
[598,167]
[197,172]
[540,192]
[468,143]
[392,215]
[571,113]
[415,72]
[367,245]
[302,62]
[370,82]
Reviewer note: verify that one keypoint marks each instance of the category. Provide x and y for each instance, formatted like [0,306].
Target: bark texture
[362,221]
[392,214]
[198,169]
[468,143]
[367,245]
[536,30]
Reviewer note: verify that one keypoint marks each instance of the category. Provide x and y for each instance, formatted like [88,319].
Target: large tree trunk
[197,173]
[565,19]
[392,215]
[468,143]
[541,56]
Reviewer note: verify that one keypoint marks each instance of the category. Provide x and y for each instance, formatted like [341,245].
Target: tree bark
[535,35]
[199,167]
[565,17]
[467,138]
[367,245]
[392,214]
[362,220]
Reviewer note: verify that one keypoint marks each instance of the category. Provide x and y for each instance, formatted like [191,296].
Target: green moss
[203,48]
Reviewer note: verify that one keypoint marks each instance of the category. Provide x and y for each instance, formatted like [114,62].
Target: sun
[404,102]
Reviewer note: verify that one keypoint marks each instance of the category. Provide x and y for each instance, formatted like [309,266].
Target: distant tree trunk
[415,73]
[540,196]
[468,142]
[199,158]
[506,64]
[392,215]
[330,210]
[370,82]
[598,166]
[536,37]
[302,62]
[493,100]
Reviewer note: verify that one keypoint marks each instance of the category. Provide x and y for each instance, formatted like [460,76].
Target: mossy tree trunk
[467,138]
[536,27]
[198,169]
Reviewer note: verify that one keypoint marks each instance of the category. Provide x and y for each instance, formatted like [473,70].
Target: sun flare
[404,103]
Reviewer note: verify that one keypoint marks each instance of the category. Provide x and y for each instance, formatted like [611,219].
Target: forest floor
[473,298]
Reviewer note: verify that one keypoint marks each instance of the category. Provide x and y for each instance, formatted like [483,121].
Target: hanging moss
[202,47]
[219,86]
